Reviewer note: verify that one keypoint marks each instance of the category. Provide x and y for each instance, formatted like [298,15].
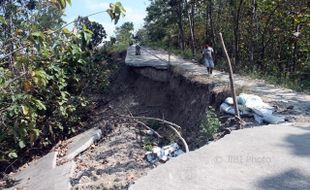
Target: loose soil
[117,160]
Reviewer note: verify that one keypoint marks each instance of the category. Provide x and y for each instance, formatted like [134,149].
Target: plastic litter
[224,107]
[272,119]
[229,101]
[163,154]
[249,104]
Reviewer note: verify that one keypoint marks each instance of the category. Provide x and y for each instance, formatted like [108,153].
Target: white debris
[163,154]
[249,104]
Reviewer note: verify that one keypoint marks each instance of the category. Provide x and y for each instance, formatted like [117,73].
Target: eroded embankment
[166,94]
[118,159]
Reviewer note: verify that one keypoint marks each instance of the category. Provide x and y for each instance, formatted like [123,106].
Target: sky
[135,12]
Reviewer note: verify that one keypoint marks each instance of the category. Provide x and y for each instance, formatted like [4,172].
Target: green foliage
[116,11]
[148,144]
[98,32]
[44,75]
[45,98]
[210,124]
[124,37]
[61,4]
[266,37]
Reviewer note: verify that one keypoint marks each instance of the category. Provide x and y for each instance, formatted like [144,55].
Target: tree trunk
[237,32]
[181,36]
[263,37]
[180,24]
[254,32]
[210,8]
[190,17]
[9,43]
[206,23]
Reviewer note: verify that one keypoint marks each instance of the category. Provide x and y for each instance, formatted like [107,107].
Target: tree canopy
[265,38]
[124,35]
[45,70]
[98,32]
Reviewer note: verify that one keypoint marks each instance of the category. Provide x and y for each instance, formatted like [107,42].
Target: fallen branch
[143,124]
[149,128]
[171,125]
[5,85]
[11,53]
[180,137]
[154,119]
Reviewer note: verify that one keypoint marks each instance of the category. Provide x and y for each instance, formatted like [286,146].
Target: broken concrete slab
[43,174]
[61,176]
[81,142]
[268,157]
[35,171]
[145,59]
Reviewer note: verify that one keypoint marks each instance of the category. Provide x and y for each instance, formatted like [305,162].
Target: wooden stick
[154,119]
[180,137]
[171,125]
[237,115]
[143,124]
[147,127]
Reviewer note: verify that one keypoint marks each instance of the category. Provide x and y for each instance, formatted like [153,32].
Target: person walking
[138,49]
[207,58]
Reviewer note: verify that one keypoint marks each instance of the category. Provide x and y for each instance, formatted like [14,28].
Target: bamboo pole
[232,87]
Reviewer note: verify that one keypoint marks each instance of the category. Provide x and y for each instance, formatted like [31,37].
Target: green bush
[41,105]
[210,124]
[43,84]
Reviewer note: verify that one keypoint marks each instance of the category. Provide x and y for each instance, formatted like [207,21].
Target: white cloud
[136,17]
[109,28]
[92,6]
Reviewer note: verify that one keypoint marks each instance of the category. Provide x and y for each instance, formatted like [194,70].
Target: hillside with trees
[267,39]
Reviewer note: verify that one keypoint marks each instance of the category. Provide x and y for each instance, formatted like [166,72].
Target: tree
[177,6]
[124,34]
[191,22]
[98,32]
[160,20]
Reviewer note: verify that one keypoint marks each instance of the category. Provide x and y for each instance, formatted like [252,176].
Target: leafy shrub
[41,104]
[210,124]
[43,76]
[148,144]
[97,29]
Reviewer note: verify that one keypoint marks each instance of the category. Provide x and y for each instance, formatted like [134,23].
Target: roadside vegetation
[210,124]
[46,74]
[265,39]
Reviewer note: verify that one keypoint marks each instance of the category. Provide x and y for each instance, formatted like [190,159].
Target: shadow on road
[299,143]
[288,180]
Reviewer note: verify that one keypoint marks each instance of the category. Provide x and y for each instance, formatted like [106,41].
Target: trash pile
[163,154]
[252,105]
